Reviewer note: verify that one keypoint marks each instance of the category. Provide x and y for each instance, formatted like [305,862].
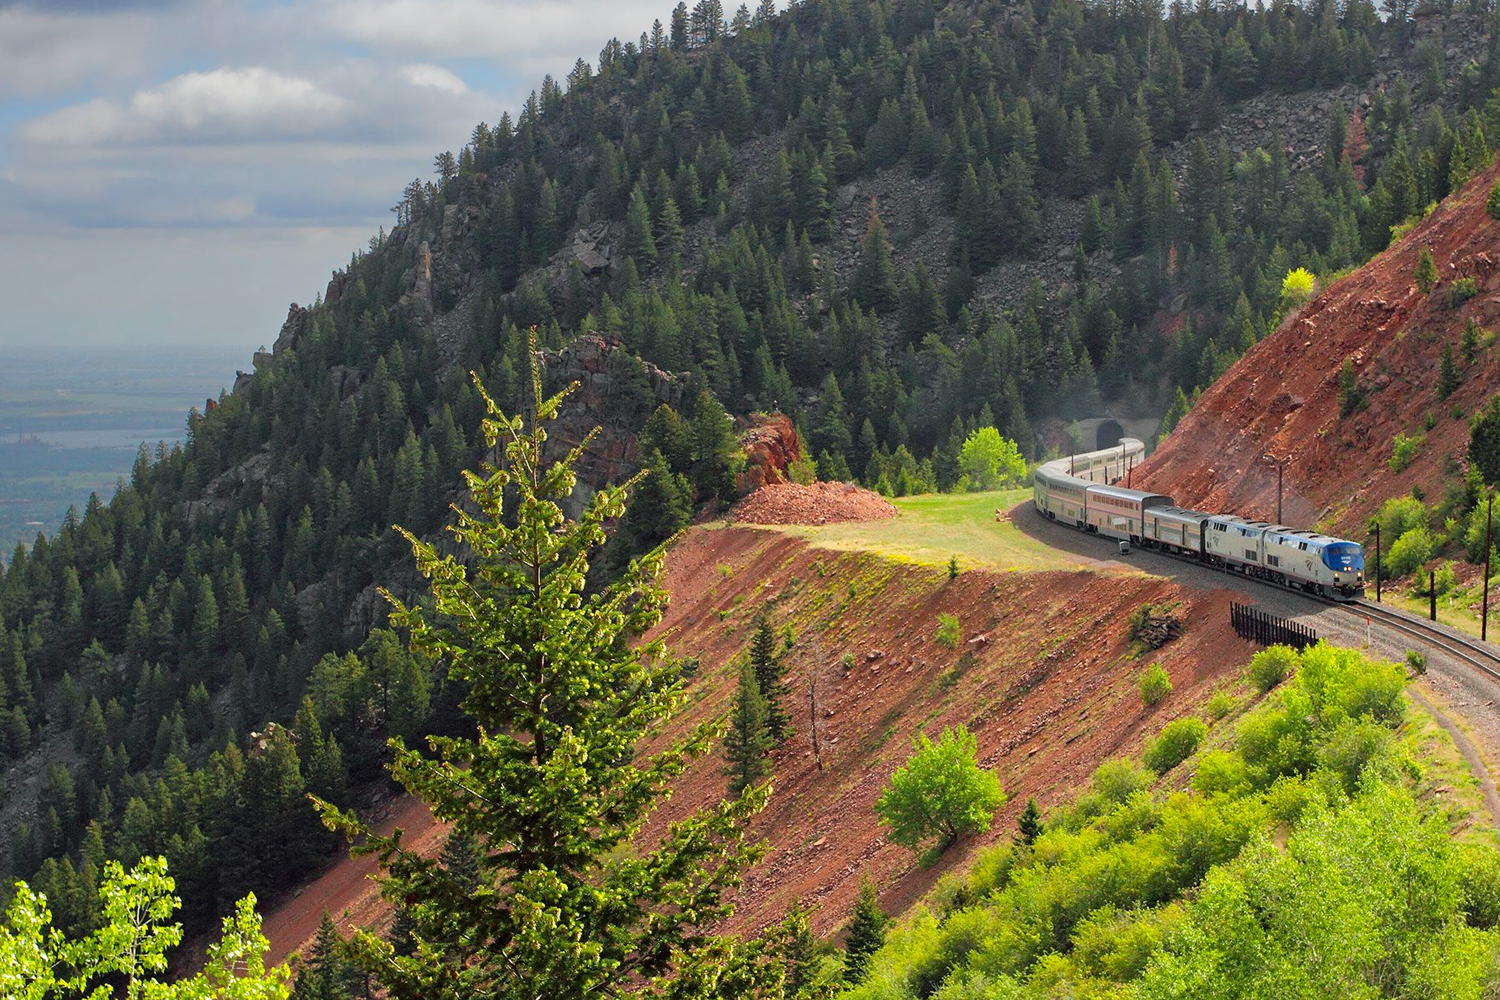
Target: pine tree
[866,933]
[205,619]
[799,948]
[830,432]
[1469,341]
[1350,396]
[713,446]
[669,229]
[770,674]
[1029,826]
[874,284]
[561,695]
[749,739]
[1492,203]
[661,506]
[1426,274]
[1448,377]
[640,245]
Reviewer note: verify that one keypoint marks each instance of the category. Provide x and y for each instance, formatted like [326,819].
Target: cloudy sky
[175,172]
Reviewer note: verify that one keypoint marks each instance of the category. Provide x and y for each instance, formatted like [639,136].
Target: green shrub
[1220,704]
[1492,203]
[1351,396]
[1297,286]
[1416,661]
[1461,290]
[1287,797]
[1154,685]
[1479,885]
[1221,771]
[1399,515]
[1270,667]
[1115,781]
[1409,553]
[948,634]
[1175,743]
[803,469]
[1404,451]
[1354,745]
[940,792]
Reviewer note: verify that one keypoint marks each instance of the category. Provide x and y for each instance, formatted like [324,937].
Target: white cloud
[42,53]
[531,33]
[427,75]
[116,132]
[222,103]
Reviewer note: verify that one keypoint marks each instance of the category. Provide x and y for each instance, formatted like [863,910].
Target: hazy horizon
[175,172]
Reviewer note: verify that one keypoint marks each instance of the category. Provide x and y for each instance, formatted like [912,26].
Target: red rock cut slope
[1280,401]
[1044,676]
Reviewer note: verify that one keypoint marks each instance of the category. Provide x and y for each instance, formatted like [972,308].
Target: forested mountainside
[179,664]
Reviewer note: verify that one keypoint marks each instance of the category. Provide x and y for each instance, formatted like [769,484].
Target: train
[1084,491]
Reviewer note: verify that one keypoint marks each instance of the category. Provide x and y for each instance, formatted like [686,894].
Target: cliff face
[771,445]
[1281,400]
[616,393]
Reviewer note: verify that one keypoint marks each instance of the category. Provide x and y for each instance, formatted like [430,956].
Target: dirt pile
[816,503]
[1280,402]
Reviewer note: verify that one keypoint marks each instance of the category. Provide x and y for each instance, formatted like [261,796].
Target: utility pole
[1279,466]
[1484,614]
[1377,562]
[1432,594]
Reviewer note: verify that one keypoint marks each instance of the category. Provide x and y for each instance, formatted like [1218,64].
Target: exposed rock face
[771,445]
[292,330]
[253,475]
[1280,402]
[593,248]
[616,393]
[336,286]
[418,299]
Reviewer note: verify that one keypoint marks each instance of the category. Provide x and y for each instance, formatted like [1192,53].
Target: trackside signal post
[1484,613]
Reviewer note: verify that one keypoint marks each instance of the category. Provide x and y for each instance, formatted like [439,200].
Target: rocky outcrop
[771,446]
[418,299]
[252,477]
[297,321]
[616,393]
[592,248]
[336,286]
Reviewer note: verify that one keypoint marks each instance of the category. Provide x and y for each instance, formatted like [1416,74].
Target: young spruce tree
[748,740]
[562,693]
[770,674]
[866,933]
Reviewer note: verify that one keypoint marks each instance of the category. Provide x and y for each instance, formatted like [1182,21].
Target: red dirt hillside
[1044,677]
[1281,398]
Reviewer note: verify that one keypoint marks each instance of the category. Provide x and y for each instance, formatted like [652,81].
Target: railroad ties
[1267,630]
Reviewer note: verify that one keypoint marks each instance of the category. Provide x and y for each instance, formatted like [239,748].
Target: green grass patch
[931,529]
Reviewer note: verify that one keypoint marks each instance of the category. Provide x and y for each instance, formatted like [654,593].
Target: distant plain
[71,422]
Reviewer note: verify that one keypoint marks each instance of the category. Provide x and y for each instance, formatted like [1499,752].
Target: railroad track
[1459,647]
[1472,652]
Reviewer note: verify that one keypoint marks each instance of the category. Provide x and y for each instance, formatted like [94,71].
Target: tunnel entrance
[1109,434]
